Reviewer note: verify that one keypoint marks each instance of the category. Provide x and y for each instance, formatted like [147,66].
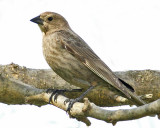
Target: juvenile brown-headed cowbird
[73,60]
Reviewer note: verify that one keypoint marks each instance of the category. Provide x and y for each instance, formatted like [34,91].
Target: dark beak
[37,20]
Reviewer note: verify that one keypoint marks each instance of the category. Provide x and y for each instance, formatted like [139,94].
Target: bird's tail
[137,100]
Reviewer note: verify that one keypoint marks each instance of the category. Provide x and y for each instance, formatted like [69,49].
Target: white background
[124,33]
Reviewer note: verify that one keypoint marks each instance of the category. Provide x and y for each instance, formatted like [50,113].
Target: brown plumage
[73,60]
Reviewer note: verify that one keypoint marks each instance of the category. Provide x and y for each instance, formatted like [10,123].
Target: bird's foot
[58,92]
[55,92]
[71,102]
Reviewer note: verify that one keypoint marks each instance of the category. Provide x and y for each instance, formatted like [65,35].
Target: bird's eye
[50,18]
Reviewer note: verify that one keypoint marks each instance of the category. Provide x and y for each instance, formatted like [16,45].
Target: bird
[72,59]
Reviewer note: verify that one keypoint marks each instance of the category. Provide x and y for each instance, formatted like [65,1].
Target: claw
[66,101]
[70,105]
[55,92]
[71,102]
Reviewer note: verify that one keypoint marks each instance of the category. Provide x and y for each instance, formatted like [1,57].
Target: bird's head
[50,22]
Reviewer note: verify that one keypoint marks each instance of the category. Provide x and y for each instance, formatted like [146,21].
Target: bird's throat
[43,29]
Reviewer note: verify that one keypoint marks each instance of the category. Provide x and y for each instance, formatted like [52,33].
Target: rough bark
[20,85]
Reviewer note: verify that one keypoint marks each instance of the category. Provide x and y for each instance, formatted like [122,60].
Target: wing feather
[93,62]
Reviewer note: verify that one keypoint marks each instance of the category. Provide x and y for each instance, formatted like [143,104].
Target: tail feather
[131,91]
[136,99]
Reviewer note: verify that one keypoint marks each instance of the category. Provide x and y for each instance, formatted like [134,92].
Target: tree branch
[81,111]
[20,85]
[14,78]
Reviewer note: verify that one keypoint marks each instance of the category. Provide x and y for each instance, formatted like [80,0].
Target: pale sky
[125,34]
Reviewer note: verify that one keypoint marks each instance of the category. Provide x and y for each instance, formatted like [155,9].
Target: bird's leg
[57,92]
[72,101]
